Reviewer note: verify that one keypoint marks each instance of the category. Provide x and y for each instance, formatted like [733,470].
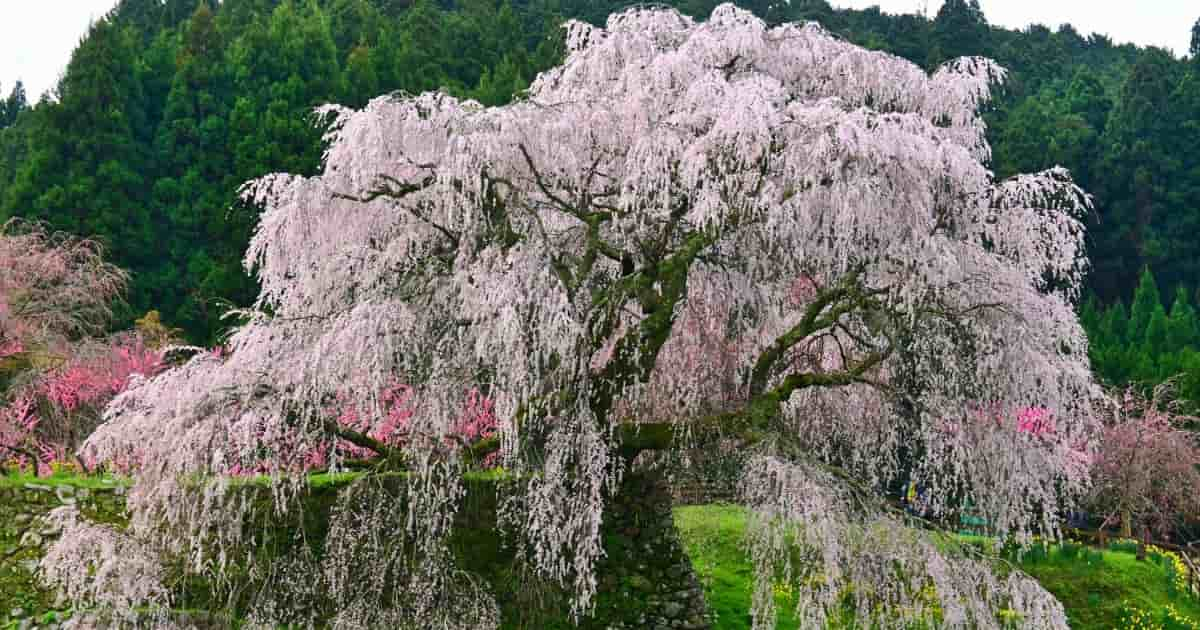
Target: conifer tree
[1182,331]
[193,191]
[1146,300]
[362,79]
[1157,331]
[1141,165]
[1194,48]
[13,106]
[959,30]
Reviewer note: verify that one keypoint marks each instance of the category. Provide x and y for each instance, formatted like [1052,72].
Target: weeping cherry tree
[687,232]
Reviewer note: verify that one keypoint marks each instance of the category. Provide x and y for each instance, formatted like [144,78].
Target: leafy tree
[575,256]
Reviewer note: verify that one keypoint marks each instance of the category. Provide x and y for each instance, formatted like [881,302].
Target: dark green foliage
[13,106]
[1157,340]
[1194,49]
[959,30]
[1146,302]
[87,166]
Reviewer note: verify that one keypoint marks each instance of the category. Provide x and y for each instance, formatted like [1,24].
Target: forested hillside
[167,107]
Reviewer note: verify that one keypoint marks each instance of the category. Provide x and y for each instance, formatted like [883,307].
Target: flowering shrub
[1145,473]
[55,375]
[58,407]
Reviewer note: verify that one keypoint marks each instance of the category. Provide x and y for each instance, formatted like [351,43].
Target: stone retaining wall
[23,540]
[646,579]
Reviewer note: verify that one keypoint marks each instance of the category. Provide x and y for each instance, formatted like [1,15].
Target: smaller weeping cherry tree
[688,232]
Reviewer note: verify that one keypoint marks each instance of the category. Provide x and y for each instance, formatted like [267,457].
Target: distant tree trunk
[1126,524]
[1145,540]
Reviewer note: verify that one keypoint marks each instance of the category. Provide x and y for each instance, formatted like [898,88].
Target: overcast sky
[37,37]
[1164,23]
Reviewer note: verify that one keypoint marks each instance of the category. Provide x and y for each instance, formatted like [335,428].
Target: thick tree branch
[844,298]
[362,440]
[752,420]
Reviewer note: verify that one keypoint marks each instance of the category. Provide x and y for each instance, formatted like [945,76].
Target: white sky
[37,36]
[1163,23]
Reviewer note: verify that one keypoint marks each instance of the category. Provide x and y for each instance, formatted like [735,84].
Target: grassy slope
[1094,590]
[712,536]
[1093,587]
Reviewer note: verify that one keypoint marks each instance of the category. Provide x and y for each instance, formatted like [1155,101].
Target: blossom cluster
[49,415]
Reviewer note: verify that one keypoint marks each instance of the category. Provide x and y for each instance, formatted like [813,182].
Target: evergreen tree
[1194,48]
[1140,167]
[959,29]
[283,66]
[13,106]
[1146,301]
[354,24]
[1157,333]
[362,78]
[423,47]
[195,188]
[1189,379]
[1182,326]
[1107,348]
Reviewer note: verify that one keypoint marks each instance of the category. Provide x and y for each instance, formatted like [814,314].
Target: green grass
[62,478]
[1093,586]
[713,537]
